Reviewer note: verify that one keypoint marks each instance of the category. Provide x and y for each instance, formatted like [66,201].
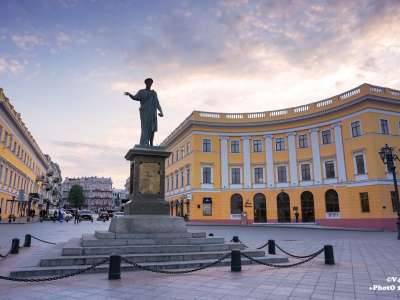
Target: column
[270,160]
[316,156]
[246,163]
[224,162]
[292,158]
[340,153]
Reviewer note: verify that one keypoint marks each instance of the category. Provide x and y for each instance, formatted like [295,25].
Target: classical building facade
[120,196]
[97,191]
[317,163]
[23,166]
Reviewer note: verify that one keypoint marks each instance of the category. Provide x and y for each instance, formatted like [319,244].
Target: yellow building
[22,164]
[318,162]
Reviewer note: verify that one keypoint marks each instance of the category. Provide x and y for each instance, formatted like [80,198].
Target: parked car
[86,215]
[103,216]
[118,213]
[67,216]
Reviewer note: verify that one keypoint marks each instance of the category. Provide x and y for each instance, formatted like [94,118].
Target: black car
[86,215]
[103,216]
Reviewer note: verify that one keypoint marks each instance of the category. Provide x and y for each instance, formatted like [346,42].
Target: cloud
[27,41]
[10,66]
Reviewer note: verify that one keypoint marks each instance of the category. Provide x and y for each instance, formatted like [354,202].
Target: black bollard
[235,239]
[114,271]
[236,261]
[211,234]
[27,242]
[14,246]
[271,247]
[328,252]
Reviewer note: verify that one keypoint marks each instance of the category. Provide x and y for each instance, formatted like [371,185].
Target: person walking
[55,215]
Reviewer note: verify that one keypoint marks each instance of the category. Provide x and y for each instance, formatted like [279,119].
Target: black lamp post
[388,157]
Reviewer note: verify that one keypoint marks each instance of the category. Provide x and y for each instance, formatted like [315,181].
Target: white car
[67,216]
[118,213]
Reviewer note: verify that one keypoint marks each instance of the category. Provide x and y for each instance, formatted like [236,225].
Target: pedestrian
[296,215]
[76,219]
[55,215]
[60,216]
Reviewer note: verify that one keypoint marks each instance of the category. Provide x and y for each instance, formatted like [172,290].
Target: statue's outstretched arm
[133,97]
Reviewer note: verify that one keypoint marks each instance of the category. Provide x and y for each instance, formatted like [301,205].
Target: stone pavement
[363,259]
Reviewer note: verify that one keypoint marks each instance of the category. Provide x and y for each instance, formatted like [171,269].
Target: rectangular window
[364,201]
[188,176]
[282,176]
[303,141]
[235,148]
[235,172]
[355,129]
[326,137]
[206,145]
[257,146]
[359,158]
[167,184]
[188,148]
[305,172]
[280,144]
[394,200]
[182,180]
[207,175]
[207,206]
[258,175]
[330,169]
[384,126]
[176,181]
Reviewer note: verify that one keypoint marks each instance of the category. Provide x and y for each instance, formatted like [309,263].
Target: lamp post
[388,157]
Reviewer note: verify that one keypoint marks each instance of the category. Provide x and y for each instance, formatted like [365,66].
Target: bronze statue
[148,112]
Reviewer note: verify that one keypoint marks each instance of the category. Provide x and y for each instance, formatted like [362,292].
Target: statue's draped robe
[148,114]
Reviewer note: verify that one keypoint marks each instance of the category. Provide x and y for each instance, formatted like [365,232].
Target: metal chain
[263,246]
[283,266]
[156,270]
[5,255]
[56,277]
[293,255]
[43,241]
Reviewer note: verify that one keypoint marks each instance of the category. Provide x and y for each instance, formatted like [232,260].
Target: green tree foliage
[76,197]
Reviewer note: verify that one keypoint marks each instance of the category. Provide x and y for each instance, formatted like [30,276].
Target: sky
[65,64]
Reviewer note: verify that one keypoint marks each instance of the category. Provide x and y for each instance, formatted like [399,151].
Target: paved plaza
[364,261]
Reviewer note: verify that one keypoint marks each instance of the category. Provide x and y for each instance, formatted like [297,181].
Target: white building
[97,191]
[119,196]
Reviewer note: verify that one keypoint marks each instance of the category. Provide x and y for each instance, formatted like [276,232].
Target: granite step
[63,270]
[110,235]
[141,258]
[131,249]
[92,241]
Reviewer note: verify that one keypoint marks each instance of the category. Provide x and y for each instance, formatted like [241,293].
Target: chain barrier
[293,255]
[157,270]
[4,255]
[43,241]
[263,246]
[314,255]
[92,267]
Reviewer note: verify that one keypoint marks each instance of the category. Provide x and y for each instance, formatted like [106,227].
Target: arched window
[260,208]
[207,207]
[236,204]
[307,207]
[283,207]
[332,201]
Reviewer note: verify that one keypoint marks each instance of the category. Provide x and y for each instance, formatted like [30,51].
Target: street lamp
[388,157]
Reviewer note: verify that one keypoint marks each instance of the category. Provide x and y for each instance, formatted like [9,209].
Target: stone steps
[92,241]
[141,258]
[63,270]
[110,235]
[138,249]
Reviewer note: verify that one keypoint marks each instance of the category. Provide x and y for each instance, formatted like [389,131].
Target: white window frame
[202,145]
[262,145]
[275,144]
[207,185]
[306,182]
[238,185]
[298,140]
[262,184]
[351,129]
[388,126]
[322,138]
[282,184]
[230,145]
[330,180]
[359,177]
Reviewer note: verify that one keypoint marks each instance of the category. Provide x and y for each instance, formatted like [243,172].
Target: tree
[76,197]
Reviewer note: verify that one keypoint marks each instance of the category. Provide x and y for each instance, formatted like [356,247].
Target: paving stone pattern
[362,259]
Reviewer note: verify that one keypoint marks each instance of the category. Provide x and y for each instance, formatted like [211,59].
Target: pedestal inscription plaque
[149,178]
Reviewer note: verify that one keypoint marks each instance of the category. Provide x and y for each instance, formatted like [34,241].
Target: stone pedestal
[147,224]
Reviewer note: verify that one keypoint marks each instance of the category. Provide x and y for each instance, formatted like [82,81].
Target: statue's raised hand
[161,114]
[126,93]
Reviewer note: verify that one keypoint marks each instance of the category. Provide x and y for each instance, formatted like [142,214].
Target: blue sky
[65,64]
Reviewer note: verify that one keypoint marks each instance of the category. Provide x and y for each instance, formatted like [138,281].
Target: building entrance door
[283,205]
[307,207]
[260,208]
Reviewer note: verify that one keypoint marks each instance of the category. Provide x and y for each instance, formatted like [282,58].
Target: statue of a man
[148,112]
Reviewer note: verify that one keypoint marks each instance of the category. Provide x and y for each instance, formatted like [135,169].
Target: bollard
[328,252]
[235,239]
[211,234]
[114,271]
[27,242]
[236,261]
[271,247]
[14,246]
